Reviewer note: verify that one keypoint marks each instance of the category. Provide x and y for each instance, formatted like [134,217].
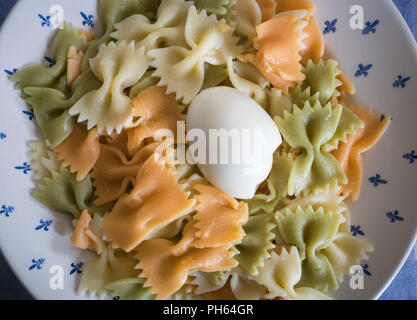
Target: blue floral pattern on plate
[6,210]
[394,216]
[44,225]
[88,19]
[401,81]
[37,264]
[377,180]
[25,168]
[356,230]
[363,70]
[330,26]
[370,27]
[410,156]
[45,21]
[76,268]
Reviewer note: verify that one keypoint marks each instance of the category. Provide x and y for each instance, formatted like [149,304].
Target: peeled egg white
[227,108]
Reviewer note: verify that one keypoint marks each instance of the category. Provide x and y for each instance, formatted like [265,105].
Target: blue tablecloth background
[403,287]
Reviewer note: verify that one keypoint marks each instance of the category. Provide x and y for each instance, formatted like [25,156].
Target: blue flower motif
[6,210]
[363,70]
[370,27]
[88,19]
[76,267]
[401,82]
[10,72]
[410,156]
[44,224]
[2,136]
[25,168]
[51,61]
[394,216]
[37,264]
[30,114]
[376,180]
[330,26]
[46,21]
[356,230]
[365,270]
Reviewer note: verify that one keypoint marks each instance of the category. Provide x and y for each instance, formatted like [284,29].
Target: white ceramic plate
[385,213]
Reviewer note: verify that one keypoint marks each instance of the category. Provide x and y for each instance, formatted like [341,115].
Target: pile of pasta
[160,230]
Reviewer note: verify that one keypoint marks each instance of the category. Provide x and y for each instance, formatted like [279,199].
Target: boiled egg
[232,140]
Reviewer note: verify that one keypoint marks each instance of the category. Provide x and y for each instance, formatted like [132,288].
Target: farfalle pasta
[278,56]
[315,168]
[118,66]
[311,231]
[169,26]
[182,69]
[111,113]
[138,213]
[350,152]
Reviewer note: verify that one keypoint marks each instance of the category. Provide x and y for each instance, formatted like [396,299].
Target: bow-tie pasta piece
[182,69]
[45,76]
[349,153]
[281,275]
[278,53]
[80,151]
[119,66]
[137,214]
[315,169]
[311,231]
[168,28]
